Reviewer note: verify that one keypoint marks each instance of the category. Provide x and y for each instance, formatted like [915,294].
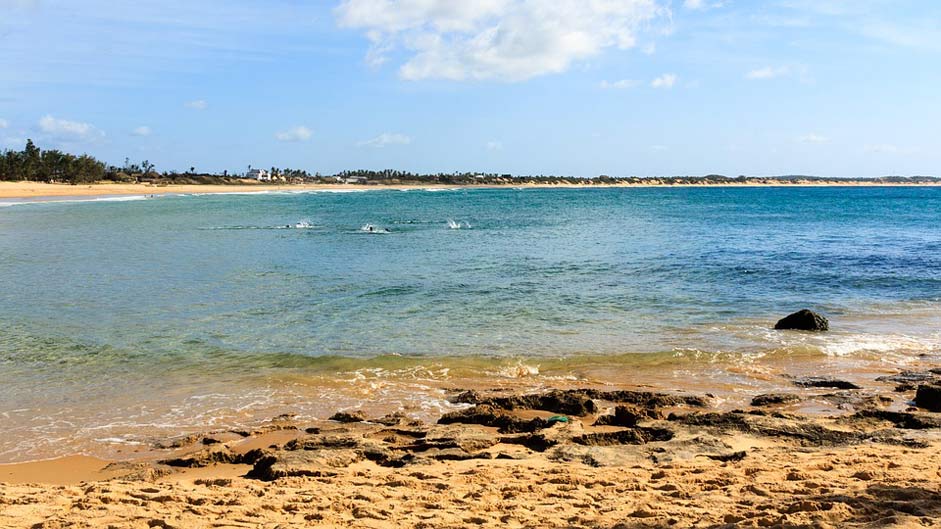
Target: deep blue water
[101,295]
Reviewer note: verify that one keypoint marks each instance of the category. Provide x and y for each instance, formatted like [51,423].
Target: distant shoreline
[40,190]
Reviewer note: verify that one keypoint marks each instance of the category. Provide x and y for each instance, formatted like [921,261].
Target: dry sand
[43,190]
[662,461]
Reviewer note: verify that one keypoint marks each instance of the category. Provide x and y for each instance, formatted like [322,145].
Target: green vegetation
[52,165]
[49,166]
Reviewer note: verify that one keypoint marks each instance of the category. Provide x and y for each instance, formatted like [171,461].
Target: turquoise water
[121,313]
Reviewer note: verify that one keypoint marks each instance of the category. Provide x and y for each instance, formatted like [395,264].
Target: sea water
[123,321]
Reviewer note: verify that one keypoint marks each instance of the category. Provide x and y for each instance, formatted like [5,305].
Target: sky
[563,87]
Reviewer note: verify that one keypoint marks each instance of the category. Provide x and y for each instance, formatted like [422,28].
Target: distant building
[258,174]
[355,180]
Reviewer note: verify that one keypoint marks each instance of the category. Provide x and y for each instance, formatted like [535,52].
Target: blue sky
[581,87]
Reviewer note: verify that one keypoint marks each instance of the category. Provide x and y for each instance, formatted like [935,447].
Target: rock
[803,320]
[772,399]
[627,416]
[805,432]
[488,415]
[351,416]
[903,420]
[562,402]
[928,396]
[630,436]
[468,439]
[314,463]
[824,382]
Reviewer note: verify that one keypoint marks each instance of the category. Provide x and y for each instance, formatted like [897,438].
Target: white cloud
[65,130]
[666,80]
[888,148]
[813,138]
[494,146]
[143,130]
[4,123]
[299,133]
[620,85]
[197,104]
[768,72]
[509,40]
[699,5]
[658,148]
[386,138]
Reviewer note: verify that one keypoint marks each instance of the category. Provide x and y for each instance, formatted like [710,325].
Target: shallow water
[128,319]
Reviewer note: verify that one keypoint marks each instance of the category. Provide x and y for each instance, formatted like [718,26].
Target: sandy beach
[20,190]
[575,458]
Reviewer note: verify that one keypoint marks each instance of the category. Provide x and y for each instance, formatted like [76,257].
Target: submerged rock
[824,382]
[928,396]
[803,320]
[771,399]
[349,416]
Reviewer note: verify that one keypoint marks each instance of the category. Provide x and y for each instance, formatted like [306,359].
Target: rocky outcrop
[774,399]
[349,416]
[928,396]
[803,320]
[824,382]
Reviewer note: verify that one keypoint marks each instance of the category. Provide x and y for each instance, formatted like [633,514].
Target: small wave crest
[370,228]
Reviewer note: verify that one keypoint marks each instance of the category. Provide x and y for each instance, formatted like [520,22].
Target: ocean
[132,319]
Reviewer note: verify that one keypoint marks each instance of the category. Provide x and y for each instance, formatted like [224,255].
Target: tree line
[51,165]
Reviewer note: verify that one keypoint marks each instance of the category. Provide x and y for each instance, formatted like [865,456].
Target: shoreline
[42,190]
[556,458]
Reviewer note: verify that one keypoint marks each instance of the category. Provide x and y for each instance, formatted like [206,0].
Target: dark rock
[904,420]
[313,463]
[725,458]
[563,402]
[824,382]
[928,396]
[803,320]
[467,397]
[630,436]
[807,433]
[488,415]
[771,399]
[647,399]
[628,416]
[351,416]
[468,439]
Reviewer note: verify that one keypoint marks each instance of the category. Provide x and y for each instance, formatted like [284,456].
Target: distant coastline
[29,190]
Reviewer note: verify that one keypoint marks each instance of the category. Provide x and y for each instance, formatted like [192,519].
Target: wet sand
[575,458]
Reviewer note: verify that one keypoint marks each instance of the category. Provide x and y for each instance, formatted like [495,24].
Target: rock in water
[803,320]
[928,397]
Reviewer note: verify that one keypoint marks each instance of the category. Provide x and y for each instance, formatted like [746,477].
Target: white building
[258,174]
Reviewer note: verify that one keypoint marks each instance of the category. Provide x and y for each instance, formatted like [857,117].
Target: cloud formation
[666,80]
[619,85]
[299,133]
[386,138]
[69,131]
[197,104]
[813,138]
[4,123]
[768,72]
[509,40]
[143,130]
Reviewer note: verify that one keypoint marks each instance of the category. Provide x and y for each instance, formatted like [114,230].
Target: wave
[372,229]
[76,200]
